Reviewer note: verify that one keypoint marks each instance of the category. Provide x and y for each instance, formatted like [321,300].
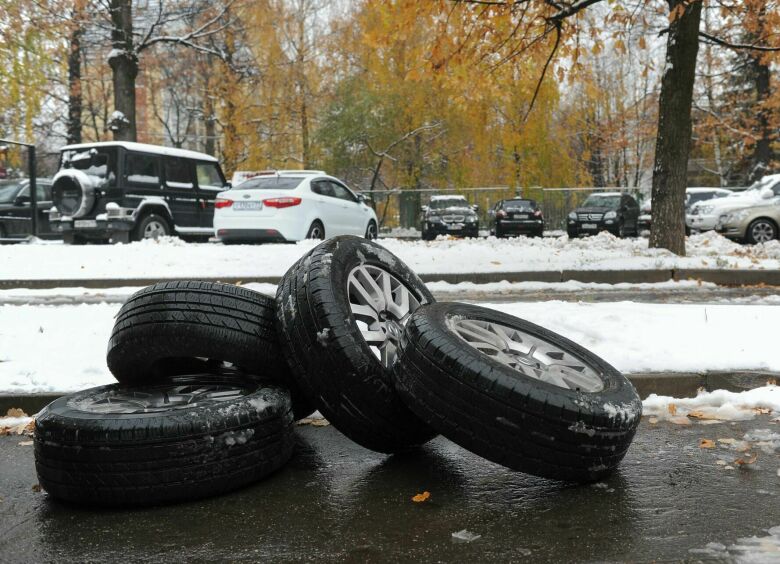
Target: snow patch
[717,405]
[323,336]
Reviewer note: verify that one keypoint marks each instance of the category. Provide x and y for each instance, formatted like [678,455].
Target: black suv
[449,215]
[121,191]
[605,211]
[518,216]
[16,209]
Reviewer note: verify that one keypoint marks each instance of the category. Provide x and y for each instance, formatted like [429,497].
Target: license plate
[245,206]
[456,226]
[520,216]
[85,223]
[589,226]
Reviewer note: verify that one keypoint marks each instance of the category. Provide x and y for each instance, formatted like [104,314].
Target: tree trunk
[301,63]
[760,73]
[74,79]
[674,127]
[124,67]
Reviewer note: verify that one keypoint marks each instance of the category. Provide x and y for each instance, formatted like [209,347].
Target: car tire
[761,230]
[503,414]
[151,226]
[371,231]
[329,356]
[316,230]
[174,327]
[117,445]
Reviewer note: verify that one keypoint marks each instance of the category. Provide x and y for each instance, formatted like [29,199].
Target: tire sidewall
[148,218]
[750,237]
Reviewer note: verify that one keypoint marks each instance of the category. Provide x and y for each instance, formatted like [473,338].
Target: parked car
[120,191]
[605,211]
[755,223]
[518,216]
[692,196]
[449,215]
[290,205]
[16,209]
[705,216]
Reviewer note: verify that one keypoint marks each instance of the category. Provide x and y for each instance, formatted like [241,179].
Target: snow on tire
[340,313]
[176,327]
[187,438]
[516,393]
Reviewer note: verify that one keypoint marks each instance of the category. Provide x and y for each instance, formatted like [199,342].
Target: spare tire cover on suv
[73,192]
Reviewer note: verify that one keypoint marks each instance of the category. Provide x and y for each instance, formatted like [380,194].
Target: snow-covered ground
[62,348]
[173,258]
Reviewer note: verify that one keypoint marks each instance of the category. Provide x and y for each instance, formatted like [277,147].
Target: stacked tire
[211,378]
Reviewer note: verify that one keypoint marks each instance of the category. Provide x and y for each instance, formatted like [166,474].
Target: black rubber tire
[162,329]
[314,225]
[505,416]
[749,231]
[168,456]
[332,363]
[372,235]
[138,230]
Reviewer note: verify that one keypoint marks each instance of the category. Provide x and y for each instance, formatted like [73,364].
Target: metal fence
[400,208]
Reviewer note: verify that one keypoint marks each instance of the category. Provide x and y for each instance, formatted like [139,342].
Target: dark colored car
[605,211]
[518,216]
[16,209]
[449,215]
[121,191]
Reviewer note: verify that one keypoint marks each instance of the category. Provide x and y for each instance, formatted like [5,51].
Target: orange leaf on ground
[706,443]
[672,409]
[420,497]
[749,459]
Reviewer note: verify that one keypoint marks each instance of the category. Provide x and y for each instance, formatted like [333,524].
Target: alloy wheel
[528,354]
[381,305]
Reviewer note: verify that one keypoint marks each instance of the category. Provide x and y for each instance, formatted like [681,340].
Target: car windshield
[9,190]
[603,201]
[444,203]
[770,181]
[520,205]
[271,183]
[693,197]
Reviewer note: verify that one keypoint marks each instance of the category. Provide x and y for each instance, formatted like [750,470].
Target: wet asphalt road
[338,502]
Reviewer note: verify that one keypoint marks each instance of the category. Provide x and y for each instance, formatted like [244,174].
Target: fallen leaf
[720,462]
[420,497]
[698,415]
[37,488]
[771,382]
[750,459]
[15,412]
[727,441]
[320,423]
[680,420]
[706,443]
[762,410]
[672,409]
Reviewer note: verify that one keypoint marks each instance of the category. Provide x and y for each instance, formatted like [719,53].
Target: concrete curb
[724,277]
[675,384]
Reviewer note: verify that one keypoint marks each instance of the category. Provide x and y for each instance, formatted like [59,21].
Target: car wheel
[516,393]
[761,231]
[175,327]
[371,230]
[340,313]
[316,231]
[183,439]
[151,226]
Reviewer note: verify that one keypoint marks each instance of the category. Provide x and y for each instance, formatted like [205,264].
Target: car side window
[342,192]
[776,189]
[43,192]
[209,176]
[143,170]
[178,173]
[322,188]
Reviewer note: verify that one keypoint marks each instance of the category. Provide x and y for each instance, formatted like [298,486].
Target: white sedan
[291,205]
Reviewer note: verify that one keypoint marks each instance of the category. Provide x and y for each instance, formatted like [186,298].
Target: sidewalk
[725,277]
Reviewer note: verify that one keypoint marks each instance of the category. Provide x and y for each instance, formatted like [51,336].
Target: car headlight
[703,210]
[573,215]
[610,215]
[434,218]
[471,219]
